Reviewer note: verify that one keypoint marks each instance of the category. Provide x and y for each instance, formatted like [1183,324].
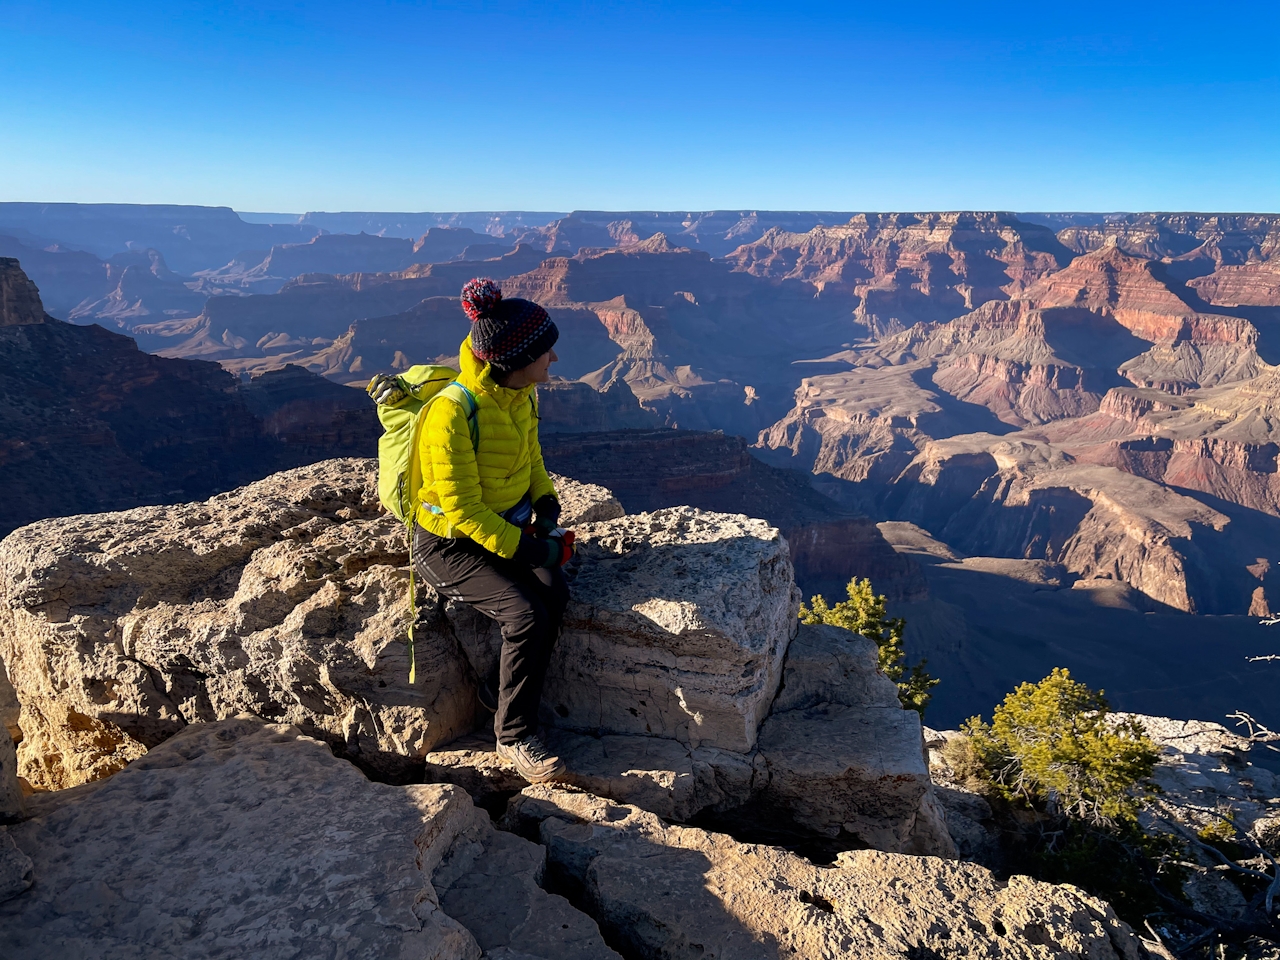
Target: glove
[386,391]
[547,515]
[548,552]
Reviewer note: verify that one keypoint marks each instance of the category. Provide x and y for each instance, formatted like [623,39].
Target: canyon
[1093,395]
[90,422]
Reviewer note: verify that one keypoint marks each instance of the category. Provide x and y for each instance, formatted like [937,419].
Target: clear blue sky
[468,106]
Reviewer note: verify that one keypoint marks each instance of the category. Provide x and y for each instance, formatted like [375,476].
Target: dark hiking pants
[528,605]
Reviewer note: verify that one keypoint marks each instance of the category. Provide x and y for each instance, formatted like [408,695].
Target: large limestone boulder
[843,757]
[673,892]
[679,624]
[287,599]
[837,756]
[240,838]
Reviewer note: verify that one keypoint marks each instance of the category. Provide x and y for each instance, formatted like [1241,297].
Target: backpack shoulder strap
[467,400]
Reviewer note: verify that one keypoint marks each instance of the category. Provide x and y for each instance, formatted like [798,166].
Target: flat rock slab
[672,892]
[679,623]
[660,775]
[245,839]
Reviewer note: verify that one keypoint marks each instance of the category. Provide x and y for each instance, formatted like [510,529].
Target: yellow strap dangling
[413,612]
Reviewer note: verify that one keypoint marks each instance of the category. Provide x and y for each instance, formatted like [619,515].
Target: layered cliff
[911,268]
[92,423]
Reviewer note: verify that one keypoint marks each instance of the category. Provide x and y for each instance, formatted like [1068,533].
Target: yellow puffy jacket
[469,486]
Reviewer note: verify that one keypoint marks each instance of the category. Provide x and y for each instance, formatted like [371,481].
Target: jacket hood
[477,375]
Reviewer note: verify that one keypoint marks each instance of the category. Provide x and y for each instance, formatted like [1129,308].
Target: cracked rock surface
[672,892]
[240,838]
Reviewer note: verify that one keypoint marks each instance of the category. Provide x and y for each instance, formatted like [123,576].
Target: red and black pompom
[479,297]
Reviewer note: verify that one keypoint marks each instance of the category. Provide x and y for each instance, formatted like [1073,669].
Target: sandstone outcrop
[312,310]
[19,299]
[1229,238]
[572,406]
[679,892]
[666,310]
[1256,283]
[248,837]
[189,237]
[139,286]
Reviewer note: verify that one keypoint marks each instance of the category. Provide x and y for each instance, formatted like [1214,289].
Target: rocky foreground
[193,684]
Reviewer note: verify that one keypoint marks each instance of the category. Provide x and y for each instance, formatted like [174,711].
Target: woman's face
[540,369]
[537,372]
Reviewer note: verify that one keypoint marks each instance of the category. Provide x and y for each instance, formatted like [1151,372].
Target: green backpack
[399,470]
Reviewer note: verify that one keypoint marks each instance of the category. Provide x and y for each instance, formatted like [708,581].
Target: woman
[486,531]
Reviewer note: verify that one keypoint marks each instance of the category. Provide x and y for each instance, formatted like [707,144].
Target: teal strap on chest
[473,408]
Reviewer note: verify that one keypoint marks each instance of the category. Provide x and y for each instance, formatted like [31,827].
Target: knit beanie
[510,333]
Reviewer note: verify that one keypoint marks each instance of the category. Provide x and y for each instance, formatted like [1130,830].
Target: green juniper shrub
[864,614]
[1053,746]
[1069,781]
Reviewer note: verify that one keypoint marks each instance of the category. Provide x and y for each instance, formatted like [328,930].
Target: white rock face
[246,839]
[674,892]
[287,598]
[679,623]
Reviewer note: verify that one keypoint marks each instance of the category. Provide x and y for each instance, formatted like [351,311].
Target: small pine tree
[1052,746]
[864,614]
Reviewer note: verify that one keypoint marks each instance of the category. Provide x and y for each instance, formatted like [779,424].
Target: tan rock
[675,892]
[655,773]
[10,789]
[238,837]
[679,623]
[287,598]
[585,502]
[859,770]
[248,838]
[837,756]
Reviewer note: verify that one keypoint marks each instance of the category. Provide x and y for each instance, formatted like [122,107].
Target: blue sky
[481,106]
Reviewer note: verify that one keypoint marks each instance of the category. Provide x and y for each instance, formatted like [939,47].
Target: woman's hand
[548,552]
[546,515]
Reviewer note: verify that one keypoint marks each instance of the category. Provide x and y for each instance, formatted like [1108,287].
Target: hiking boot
[532,759]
